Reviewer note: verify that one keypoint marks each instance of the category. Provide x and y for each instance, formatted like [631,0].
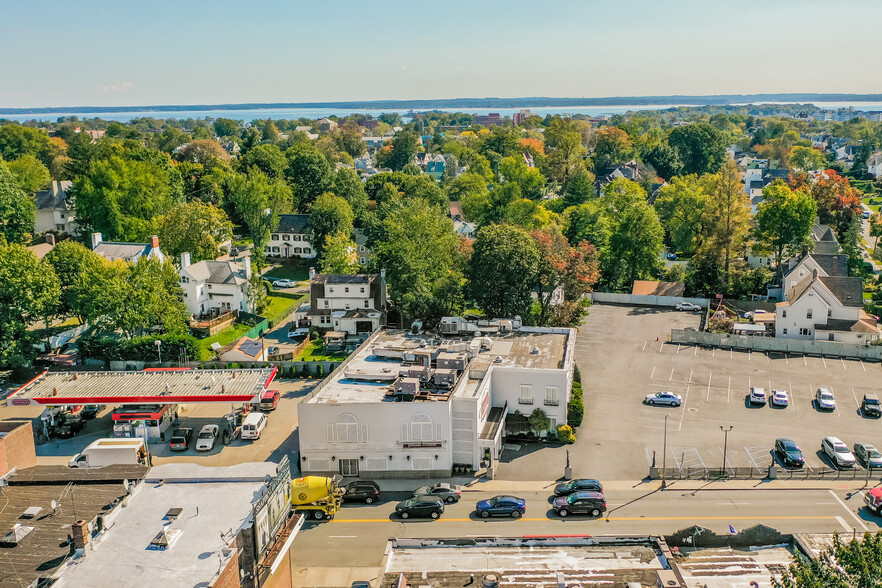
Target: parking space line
[672,375]
[660,347]
[837,404]
[729,390]
[644,345]
[678,349]
[708,386]
[851,512]
[825,362]
[855,397]
[804,361]
[843,363]
[696,350]
[653,373]
[683,409]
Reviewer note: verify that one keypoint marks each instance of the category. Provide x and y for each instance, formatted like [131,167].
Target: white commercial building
[410,405]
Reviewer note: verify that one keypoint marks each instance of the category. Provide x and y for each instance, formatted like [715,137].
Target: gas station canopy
[151,386]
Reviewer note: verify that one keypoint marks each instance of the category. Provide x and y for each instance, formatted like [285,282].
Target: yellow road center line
[586,520]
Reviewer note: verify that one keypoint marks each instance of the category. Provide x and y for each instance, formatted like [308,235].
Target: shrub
[577,375]
[576,407]
[565,435]
[139,348]
[319,370]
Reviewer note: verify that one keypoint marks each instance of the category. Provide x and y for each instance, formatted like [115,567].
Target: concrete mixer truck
[317,497]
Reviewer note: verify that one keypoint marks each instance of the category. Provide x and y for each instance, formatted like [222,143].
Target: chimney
[246,264]
[79,531]
[804,250]
[311,273]
[185,260]
[96,240]
[382,290]
[154,242]
[50,239]
[815,274]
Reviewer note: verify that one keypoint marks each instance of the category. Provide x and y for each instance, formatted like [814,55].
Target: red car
[269,399]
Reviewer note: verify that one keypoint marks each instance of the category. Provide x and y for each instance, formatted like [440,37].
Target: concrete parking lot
[623,355]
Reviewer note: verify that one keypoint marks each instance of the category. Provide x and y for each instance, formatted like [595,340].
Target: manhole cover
[692,409]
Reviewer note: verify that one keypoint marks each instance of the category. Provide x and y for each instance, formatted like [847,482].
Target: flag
[732,530]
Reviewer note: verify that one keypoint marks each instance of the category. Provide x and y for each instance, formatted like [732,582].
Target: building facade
[215,287]
[131,252]
[54,211]
[351,303]
[291,238]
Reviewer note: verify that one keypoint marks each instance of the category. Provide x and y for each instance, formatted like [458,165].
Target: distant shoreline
[440,104]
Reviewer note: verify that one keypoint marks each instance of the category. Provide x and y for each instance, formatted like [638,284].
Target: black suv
[363,491]
[870,406]
[592,503]
[420,506]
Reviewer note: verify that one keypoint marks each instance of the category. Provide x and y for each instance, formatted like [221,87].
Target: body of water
[250,114]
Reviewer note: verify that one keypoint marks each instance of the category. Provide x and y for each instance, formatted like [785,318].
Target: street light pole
[725,442]
[158,344]
[665,456]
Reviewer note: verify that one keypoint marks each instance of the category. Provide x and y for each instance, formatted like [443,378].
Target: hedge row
[575,408]
[139,348]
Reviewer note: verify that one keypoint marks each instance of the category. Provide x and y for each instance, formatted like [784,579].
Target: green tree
[502,271]
[665,160]
[635,244]
[268,158]
[348,185]
[853,563]
[851,246]
[580,188]
[70,260]
[806,159]
[423,262]
[876,228]
[225,127]
[32,175]
[529,179]
[612,145]
[196,228]
[784,220]
[17,140]
[700,147]
[257,296]
[404,146]
[338,255]
[29,292]
[259,201]
[309,174]
[527,214]
[680,206]
[566,157]
[349,140]
[205,151]
[16,209]
[270,132]
[588,222]
[539,421]
[331,215]
[172,138]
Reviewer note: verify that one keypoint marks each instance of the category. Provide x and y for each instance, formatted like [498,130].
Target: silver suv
[838,452]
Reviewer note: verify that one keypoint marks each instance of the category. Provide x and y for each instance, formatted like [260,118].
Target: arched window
[421,427]
[347,428]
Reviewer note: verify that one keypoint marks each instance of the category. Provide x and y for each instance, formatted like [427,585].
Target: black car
[90,411]
[70,427]
[789,454]
[362,491]
[180,439]
[567,488]
[420,506]
[870,406]
[592,503]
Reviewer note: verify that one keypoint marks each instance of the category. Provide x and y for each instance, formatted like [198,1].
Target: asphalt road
[358,535]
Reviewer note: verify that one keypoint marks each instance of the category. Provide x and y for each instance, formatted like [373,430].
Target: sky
[154,52]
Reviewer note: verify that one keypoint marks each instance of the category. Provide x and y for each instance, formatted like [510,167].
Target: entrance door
[348,467]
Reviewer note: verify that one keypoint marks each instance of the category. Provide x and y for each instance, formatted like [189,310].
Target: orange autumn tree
[838,201]
[566,273]
[533,145]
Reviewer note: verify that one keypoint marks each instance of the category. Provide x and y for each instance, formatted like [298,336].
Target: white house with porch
[214,287]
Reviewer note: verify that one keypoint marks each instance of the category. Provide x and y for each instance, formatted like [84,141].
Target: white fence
[645,300]
[798,346]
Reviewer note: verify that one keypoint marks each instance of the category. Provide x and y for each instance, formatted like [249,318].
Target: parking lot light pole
[725,442]
[664,483]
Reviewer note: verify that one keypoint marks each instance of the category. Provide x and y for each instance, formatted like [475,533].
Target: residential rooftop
[439,367]
[139,387]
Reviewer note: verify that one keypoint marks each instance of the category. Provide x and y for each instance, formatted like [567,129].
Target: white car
[205,441]
[779,398]
[825,399]
[663,398]
[687,306]
[283,283]
[838,452]
[757,395]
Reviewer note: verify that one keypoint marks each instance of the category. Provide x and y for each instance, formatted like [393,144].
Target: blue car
[503,506]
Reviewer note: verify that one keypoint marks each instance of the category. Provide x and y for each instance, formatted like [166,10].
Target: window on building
[367,304]
[551,396]
[307,250]
[347,306]
[346,289]
[805,332]
[297,238]
[286,237]
[361,261]
[526,396]
[326,303]
[829,312]
[275,237]
[783,314]
[808,313]
[421,427]
[185,280]
[347,428]
[349,467]
[785,331]
[360,248]
[362,288]
[59,227]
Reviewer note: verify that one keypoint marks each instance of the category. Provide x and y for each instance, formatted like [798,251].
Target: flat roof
[215,502]
[733,568]
[437,563]
[366,377]
[44,549]
[143,387]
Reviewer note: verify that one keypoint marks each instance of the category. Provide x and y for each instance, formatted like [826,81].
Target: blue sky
[125,52]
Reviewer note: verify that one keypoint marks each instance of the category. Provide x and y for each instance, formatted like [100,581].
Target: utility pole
[725,443]
[664,483]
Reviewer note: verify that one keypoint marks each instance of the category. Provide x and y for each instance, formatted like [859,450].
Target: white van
[253,425]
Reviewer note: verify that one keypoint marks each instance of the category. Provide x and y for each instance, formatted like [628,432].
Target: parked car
[870,406]
[90,411]
[269,399]
[207,436]
[825,400]
[582,484]
[420,506]
[70,427]
[270,351]
[779,398]
[297,334]
[447,492]
[671,256]
[687,306]
[180,439]
[838,452]
[663,398]
[501,506]
[361,491]
[868,455]
[283,283]
[234,251]
[788,453]
[592,503]
[757,395]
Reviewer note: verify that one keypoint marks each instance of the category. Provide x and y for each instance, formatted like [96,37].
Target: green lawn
[224,337]
[315,352]
[278,307]
[293,269]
